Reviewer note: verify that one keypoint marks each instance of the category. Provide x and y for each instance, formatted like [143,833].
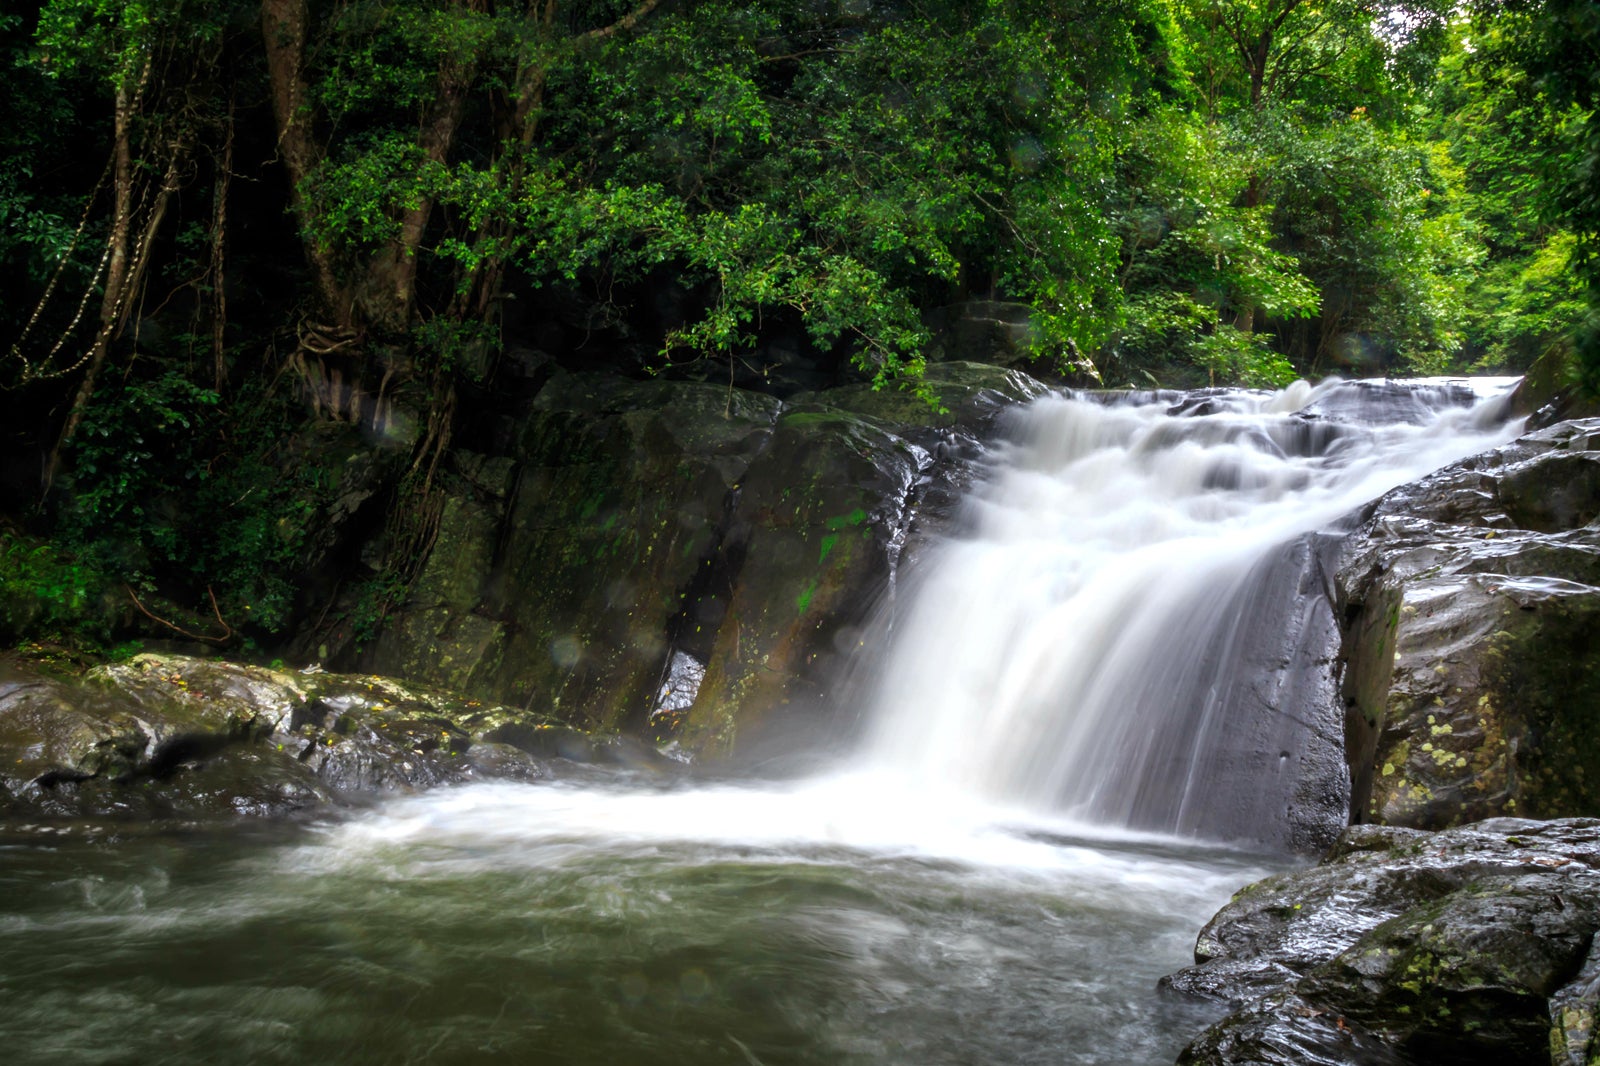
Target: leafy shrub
[43,590]
[170,492]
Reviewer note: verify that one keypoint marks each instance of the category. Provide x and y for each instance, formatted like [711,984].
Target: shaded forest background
[224,221]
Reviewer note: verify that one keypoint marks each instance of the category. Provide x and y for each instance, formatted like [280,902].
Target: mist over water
[1001,876]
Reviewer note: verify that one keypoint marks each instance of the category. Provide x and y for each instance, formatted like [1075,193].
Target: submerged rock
[1468,945]
[1471,609]
[169,735]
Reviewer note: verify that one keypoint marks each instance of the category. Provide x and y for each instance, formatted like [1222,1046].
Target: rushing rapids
[1078,697]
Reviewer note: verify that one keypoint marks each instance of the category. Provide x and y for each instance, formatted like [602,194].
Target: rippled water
[933,905]
[627,922]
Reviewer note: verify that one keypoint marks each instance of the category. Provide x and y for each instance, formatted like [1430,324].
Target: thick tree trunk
[283,28]
[393,273]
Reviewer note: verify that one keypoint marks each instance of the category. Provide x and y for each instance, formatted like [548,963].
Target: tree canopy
[382,202]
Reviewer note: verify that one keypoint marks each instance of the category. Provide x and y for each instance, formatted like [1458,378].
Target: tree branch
[623,24]
[222,641]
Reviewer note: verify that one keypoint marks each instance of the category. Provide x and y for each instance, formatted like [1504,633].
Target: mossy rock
[175,736]
[559,594]
[647,521]
[1471,602]
[1468,945]
[816,513]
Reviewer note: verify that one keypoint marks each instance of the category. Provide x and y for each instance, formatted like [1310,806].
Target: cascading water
[1111,641]
[1126,630]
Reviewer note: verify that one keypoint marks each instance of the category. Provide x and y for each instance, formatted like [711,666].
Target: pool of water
[611,920]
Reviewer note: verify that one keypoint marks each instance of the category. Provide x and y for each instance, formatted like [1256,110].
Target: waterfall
[1131,623]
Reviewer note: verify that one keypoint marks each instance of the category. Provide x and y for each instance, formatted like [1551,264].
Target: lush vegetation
[224,222]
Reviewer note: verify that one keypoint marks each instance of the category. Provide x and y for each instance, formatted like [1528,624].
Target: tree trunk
[121,283]
[394,272]
[115,296]
[219,247]
[283,28]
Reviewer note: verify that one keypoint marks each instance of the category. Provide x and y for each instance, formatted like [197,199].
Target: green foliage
[169,492]
[1196,258]
[1168,327]
[1375,221]
[1520,101]
[375,598]
[37,214]
[44,590]
[852,170]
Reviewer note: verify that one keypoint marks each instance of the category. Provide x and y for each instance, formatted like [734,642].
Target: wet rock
[1573,1016]
[558,593]
[1385,402]
[970,395]
[811,538]
[1471,609]
[1467,945]
[172,736]
[643,524]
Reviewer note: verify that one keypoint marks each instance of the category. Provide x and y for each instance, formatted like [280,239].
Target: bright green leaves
[1195,258]
[385,56]
[854,173]
[114,37]
[359,197]
[1373,219]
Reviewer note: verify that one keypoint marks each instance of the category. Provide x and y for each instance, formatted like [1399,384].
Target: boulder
[170,735]
[666,555]
[809,546]
[554,585]
[1402,946]
[1470,603]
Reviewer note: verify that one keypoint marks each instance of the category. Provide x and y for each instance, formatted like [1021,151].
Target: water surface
[627,922]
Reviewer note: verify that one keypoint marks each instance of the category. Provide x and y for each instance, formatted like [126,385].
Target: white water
[1083,642]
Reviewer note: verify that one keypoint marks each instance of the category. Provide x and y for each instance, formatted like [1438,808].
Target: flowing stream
[1026,842]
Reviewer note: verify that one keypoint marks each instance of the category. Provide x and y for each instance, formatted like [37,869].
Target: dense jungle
[223,224]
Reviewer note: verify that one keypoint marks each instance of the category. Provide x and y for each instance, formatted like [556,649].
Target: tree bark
[114,300]
[394,272]
[283,28]
[120,287]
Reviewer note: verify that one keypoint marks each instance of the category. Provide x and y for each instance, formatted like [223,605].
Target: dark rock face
[642,524]
[172,736]
[1471,945]
[989,331]
[1470,603]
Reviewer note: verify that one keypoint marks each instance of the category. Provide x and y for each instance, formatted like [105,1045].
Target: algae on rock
[175,736]
[1471,601]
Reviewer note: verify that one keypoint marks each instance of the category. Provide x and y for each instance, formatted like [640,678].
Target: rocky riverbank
[1469,604]
[176,737]
[1469,945]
